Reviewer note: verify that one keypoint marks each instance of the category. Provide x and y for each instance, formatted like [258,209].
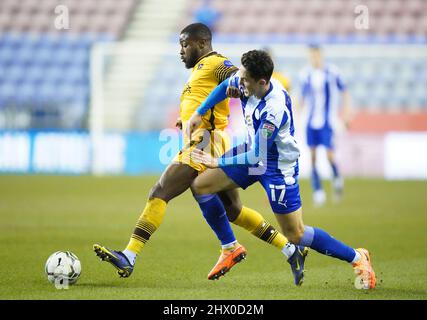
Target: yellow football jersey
[286,83]
[209,71]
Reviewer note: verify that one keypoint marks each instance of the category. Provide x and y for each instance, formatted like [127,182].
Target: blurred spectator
[207,15]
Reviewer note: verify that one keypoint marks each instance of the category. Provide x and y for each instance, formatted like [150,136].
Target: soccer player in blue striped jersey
[322,88]
[270,157]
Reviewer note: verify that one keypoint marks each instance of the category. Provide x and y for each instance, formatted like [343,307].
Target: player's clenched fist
[233,92]
[178,123]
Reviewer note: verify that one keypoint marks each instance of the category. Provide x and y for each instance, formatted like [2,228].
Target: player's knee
[295,235]
[233,210]
[313,157]
[157,192]
[199,188]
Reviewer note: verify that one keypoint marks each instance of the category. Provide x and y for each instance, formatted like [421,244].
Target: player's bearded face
[191,58]
[189,53]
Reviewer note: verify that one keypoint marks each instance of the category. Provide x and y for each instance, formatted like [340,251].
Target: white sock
[130,255]
[356,257]
[229,245]
[289,249]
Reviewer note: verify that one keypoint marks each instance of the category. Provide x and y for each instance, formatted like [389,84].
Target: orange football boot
[227,259]
[365,273]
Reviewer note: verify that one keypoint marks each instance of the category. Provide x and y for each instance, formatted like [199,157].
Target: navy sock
[214,213]
[324,243]
[335,170]
[315,180]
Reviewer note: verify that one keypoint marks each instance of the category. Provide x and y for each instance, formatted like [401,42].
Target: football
[63,268]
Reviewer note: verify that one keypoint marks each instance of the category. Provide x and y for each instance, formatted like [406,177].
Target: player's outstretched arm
[264,139]
[347,109]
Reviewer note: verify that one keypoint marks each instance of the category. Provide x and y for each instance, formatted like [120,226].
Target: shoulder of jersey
[219,59]
[277,86]
[305,72]
[275,100]
[234,79]
[333,69]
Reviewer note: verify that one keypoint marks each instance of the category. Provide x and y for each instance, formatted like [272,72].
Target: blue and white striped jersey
[321,89]
[274,108]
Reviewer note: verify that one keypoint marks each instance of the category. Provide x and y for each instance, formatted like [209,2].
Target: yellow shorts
[215,142]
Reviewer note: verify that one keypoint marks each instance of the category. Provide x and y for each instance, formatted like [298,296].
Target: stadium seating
[377,83]
[45,68]
[318,16]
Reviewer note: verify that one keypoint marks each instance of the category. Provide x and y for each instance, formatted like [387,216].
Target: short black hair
[315,46]
[259,64]
[198,31]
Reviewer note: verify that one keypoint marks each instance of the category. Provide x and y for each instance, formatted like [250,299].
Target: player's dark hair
[198,31]
[259,64]
[315,46]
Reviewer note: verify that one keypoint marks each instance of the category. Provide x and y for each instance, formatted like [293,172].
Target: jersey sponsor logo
[267,130]
[187,89]
[228,63]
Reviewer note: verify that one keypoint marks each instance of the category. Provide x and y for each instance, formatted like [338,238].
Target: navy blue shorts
[317,137]
[283,198]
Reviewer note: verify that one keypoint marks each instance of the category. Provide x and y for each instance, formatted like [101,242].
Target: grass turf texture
[42,214]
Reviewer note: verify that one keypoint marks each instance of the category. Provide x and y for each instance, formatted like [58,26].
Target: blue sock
[324,243]
[335,169]
[315,180]
[214,213]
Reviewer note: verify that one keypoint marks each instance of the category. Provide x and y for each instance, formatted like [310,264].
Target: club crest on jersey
[267,130]
[248,120]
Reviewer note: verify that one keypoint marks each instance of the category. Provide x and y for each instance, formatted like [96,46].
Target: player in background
[284,80]
[322,92]
[271,158]
[208,70]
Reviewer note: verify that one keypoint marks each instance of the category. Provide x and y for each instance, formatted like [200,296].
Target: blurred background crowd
[74,67]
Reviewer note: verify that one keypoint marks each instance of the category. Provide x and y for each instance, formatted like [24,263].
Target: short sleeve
[338,78]
[234,81]
[342,86]
[304,82]
[224,70]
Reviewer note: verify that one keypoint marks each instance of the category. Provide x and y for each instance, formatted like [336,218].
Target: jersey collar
[268,91]
[206,55]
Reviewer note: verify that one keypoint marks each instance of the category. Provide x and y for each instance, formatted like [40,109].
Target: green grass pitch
[42,214]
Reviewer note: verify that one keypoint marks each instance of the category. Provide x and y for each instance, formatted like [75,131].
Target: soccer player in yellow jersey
[208,70]
[284,81]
